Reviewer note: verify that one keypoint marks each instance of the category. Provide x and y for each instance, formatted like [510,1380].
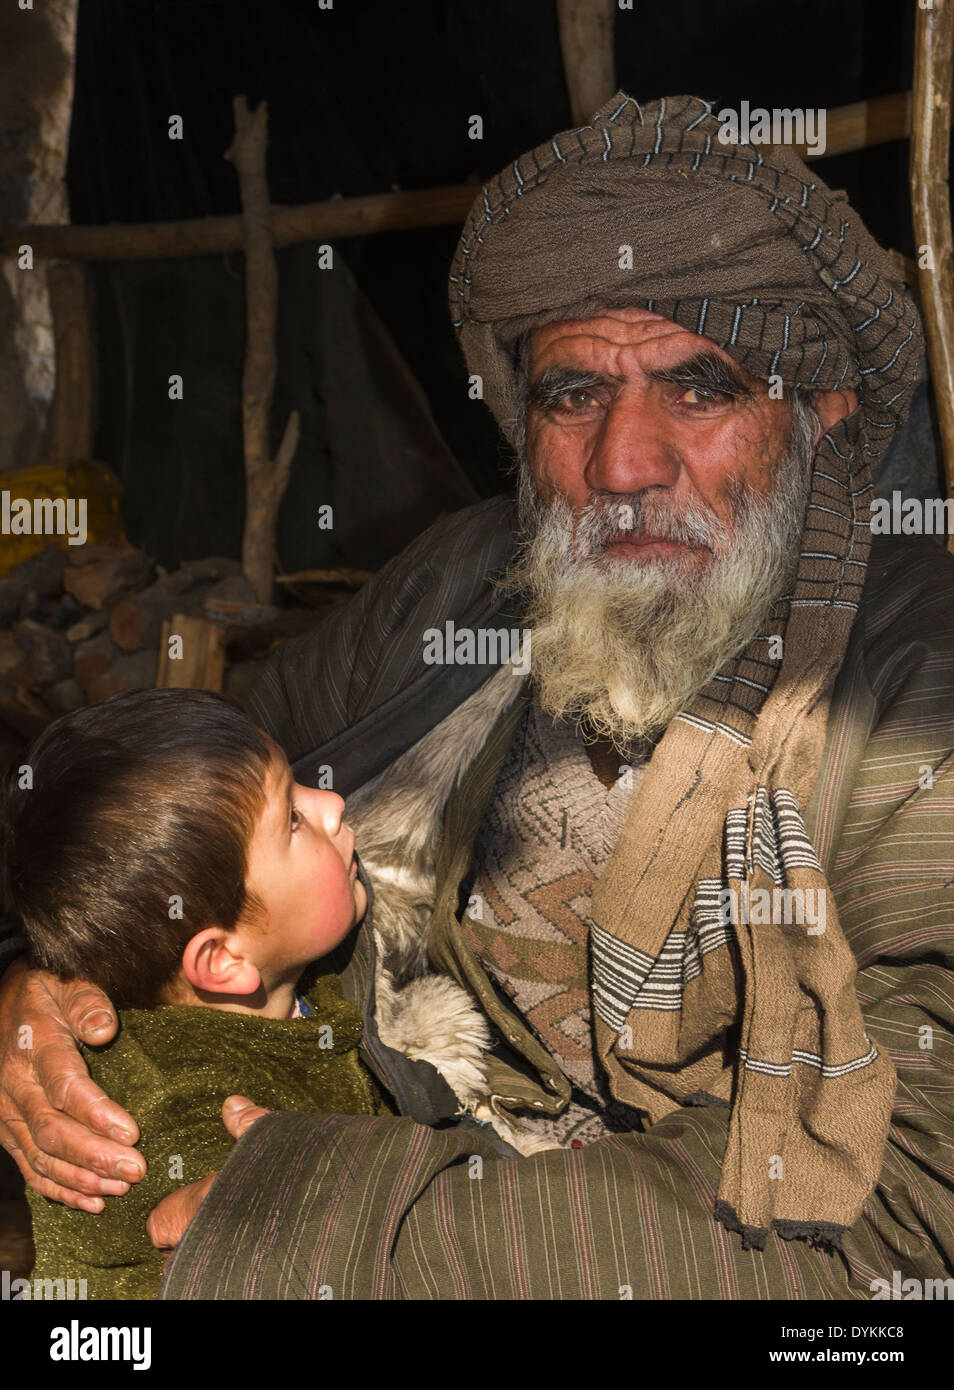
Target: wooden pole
[931,205]
[586,42]
[858,126]
[206,236]
[71,418]
[265,477]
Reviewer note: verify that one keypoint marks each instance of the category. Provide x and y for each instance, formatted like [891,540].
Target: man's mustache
[603,522]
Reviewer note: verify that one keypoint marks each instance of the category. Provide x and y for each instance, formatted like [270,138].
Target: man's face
[662,499]
[628,401]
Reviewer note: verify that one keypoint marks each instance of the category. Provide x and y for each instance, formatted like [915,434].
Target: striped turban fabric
[751,250]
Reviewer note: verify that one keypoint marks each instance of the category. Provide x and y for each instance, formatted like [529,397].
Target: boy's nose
[331,809]
[321,806]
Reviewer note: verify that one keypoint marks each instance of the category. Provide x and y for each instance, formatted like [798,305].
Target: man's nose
[635,448]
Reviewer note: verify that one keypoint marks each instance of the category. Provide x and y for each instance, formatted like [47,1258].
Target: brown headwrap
[754,252]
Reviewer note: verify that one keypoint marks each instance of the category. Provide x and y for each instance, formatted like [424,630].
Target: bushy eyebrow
[706,371]
[556,382]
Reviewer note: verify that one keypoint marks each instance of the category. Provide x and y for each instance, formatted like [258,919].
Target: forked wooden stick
[265,477]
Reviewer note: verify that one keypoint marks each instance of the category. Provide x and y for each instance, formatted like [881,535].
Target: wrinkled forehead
[613,334]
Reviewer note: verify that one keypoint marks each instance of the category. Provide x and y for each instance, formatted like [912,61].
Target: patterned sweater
[549,828]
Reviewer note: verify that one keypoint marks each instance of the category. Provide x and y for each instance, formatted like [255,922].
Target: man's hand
[69,1140]
[169,1219]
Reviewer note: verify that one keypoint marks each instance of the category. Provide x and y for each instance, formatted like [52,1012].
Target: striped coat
[371,1207]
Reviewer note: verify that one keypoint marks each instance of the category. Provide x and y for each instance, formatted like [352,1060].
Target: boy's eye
[295,818]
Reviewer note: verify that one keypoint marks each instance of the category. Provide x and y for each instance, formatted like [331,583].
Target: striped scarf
[720,970]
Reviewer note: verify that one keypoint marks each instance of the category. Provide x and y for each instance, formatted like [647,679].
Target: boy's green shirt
[172,1067]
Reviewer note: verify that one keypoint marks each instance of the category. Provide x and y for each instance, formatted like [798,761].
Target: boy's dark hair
[136,802]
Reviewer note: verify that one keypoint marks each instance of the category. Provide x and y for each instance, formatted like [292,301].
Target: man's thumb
[88,1012]
[239,1113]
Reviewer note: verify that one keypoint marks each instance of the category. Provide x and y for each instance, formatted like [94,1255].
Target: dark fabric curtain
[363,97]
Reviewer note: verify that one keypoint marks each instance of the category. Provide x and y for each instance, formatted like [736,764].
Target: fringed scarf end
[753,1237]
[821,1235]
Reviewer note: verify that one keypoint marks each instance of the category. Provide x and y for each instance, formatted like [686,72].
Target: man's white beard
[622,646]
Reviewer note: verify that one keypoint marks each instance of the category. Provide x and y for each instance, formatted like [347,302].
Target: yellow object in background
[81,478]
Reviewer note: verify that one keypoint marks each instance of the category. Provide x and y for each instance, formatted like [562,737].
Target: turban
[646,207]
[693,1003]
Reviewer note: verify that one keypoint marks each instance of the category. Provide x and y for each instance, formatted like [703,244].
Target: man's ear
[213,962]
[832,406]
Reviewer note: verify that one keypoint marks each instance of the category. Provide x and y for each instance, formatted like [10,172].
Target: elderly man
[693,874]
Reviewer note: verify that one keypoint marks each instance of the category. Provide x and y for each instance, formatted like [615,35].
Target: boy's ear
[212,962]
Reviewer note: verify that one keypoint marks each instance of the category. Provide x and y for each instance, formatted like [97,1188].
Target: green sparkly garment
[172,1067]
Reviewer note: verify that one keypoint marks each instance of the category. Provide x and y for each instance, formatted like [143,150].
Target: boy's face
[301,866]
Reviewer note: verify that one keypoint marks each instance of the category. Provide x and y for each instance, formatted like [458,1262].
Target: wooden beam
[586,42]
[855,127]
[71,417]
[864,124]
[206,236]
[931,206]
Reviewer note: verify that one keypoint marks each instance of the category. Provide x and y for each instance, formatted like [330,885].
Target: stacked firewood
[78,625]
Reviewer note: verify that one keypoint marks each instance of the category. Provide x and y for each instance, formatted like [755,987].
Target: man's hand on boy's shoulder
[69,1140]
[169,1219]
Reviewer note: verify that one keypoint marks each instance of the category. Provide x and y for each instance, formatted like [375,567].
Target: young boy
[158,845]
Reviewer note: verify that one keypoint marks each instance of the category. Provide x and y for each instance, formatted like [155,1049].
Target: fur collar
[397,818]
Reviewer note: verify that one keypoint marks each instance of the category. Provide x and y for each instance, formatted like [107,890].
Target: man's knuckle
[159,1227]
[42,1186]
[61,1087]
[39,1161]
[20,1097]
[10,1115]
[81,998]
[35,1001]
[86,1183]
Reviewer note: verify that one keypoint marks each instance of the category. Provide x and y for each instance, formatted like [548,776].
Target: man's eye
[701,395]
[295,818]
[575,401]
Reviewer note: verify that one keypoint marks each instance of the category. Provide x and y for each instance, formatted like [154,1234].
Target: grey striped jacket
[418,1207]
